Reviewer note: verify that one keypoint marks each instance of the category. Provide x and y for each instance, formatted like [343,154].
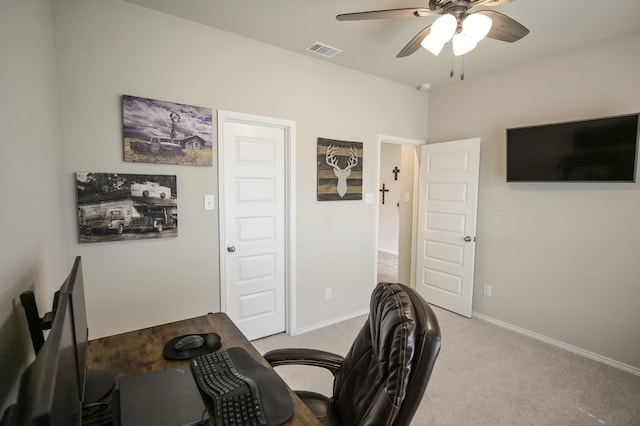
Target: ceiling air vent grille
[323,50]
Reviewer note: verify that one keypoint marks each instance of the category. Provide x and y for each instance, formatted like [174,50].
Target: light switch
[406,197]
[209,202]
[368,198]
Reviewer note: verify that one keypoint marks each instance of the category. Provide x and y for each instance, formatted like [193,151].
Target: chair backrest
[386,371]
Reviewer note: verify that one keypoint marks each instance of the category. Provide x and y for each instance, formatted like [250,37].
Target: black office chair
[383,377]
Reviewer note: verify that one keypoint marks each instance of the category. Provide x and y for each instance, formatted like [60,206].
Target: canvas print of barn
[167,133]
[339,170]
[120,207]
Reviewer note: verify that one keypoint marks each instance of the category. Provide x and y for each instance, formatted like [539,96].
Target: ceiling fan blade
[504,28]
[414,44]
[383,14]
[474,4]
[493,3]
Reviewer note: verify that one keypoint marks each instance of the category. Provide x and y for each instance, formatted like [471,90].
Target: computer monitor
[93,384]
[49,391]
[74,287]
[57,384]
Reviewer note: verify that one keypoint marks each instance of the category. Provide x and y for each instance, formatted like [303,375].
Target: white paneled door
[448,196]
[253,225]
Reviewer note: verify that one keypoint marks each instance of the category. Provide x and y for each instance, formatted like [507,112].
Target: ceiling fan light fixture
[463,44]
[477,26]
[444,28]
[432,44]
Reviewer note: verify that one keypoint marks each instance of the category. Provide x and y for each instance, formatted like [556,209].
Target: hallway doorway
[397,178]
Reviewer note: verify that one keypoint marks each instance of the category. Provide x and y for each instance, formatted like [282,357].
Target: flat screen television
[598,150]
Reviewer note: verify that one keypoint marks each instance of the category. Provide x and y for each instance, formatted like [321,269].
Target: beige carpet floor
[488,375]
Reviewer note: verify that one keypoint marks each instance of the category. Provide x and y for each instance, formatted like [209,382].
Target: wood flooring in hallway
[387,267]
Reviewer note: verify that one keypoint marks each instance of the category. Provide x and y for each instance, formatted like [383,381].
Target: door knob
[467,238]
[231,248]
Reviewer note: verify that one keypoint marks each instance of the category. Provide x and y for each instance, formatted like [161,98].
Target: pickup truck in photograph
[121,219]
[157,145]
[150,189]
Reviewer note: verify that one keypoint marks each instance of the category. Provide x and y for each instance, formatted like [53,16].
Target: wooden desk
[140,351]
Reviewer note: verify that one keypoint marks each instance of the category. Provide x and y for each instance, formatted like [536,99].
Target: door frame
[399,141]
[289,128]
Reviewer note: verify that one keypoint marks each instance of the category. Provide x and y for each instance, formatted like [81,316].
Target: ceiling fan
[457,23]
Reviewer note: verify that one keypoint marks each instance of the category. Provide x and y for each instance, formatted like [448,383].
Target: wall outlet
[487,290]
[327,293]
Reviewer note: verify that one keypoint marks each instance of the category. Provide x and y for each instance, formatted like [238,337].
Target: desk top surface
[140,351]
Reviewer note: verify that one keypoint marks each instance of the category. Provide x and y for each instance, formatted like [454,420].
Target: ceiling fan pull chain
[451,74]
[462,75]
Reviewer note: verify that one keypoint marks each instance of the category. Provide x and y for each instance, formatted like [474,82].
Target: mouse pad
[170,351]
[161,398]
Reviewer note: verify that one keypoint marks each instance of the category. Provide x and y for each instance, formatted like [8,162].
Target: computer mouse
[212,341]
[189,342]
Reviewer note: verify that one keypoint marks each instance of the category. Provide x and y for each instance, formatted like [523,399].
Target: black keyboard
[243,391]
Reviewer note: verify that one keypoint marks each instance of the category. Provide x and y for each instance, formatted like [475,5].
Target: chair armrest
[312,357]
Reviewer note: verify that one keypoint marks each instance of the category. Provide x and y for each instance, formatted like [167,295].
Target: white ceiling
[371,46]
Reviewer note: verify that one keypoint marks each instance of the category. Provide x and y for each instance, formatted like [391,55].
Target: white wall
[33,235]
[562,258]
[106,49]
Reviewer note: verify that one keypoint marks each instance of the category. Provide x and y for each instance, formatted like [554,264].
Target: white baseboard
[394,253]
[329,322]
[559,344]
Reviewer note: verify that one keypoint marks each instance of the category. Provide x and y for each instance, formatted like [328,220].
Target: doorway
[256,170]
[397,178]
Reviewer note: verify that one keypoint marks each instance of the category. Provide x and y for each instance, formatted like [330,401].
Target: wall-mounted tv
[599,150]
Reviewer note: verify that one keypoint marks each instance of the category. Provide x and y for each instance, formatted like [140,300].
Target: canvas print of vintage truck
[118,207]
[167,133]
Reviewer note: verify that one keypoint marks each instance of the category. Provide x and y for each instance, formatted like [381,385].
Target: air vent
[323,50]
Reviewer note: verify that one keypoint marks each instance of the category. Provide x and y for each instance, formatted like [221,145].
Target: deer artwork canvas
[339,170]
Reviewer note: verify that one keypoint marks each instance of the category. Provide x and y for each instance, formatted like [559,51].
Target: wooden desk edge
[140,351]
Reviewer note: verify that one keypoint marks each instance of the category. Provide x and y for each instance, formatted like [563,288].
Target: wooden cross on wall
[383,190]
[395,172]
